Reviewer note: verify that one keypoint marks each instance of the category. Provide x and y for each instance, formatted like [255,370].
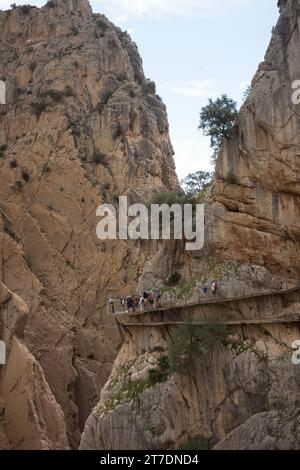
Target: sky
[194,50]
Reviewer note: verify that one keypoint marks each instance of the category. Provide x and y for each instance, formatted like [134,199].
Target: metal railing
[175,301]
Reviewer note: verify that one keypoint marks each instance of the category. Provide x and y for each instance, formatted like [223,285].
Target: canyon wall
[81,126]
[248,400]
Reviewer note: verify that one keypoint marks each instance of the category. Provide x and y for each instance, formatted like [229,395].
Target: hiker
[146,297]
[142,304]
[214,287]
[205,289]
[158,297]
[111,303]
[123,303]
[151,299]
[130,304]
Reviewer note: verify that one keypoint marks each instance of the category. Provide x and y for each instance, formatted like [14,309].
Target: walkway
[173,315]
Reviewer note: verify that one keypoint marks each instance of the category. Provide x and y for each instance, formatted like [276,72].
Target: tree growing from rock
[217,121]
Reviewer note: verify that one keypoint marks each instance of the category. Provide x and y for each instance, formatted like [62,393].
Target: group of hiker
[138,302]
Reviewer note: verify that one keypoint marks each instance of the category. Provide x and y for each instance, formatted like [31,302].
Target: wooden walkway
[139,320]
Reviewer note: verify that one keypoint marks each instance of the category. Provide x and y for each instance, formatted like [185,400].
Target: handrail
[215,301]
[257,321]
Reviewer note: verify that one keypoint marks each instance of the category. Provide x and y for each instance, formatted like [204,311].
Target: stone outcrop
[30,417]
[223,395]
[247,400]
[34,420]
[82,125]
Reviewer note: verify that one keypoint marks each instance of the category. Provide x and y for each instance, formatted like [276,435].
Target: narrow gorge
[81,126]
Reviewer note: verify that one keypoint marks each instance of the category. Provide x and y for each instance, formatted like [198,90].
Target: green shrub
[161,372]
[38,107]
[105,97]
[198,443]
[32,66]
[18,185]
[75,30]
[46,168]
[25,9]
[68,91]
[8,229]
[25,176]
[101,23]
[99,158]
[117,132]
[55,95]
[171,198]
[3,150]
[190,340]
[173,280]
[75,129]
[129,391]
[230,178]
[13,163]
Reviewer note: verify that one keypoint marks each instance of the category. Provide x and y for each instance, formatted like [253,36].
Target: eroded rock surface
[249,400]
[82,125]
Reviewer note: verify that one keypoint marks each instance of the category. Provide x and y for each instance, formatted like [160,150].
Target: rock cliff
[81,126]
[232,398]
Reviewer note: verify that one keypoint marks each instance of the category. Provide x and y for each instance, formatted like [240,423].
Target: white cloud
[202,89]
[121,10]
[162,8]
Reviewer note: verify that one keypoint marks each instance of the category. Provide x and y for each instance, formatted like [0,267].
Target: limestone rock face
[249,400]
[81,126]
[236,399]
[275,430]
[34,420]
[258,211]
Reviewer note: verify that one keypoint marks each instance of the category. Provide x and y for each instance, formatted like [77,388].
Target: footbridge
[270,307]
